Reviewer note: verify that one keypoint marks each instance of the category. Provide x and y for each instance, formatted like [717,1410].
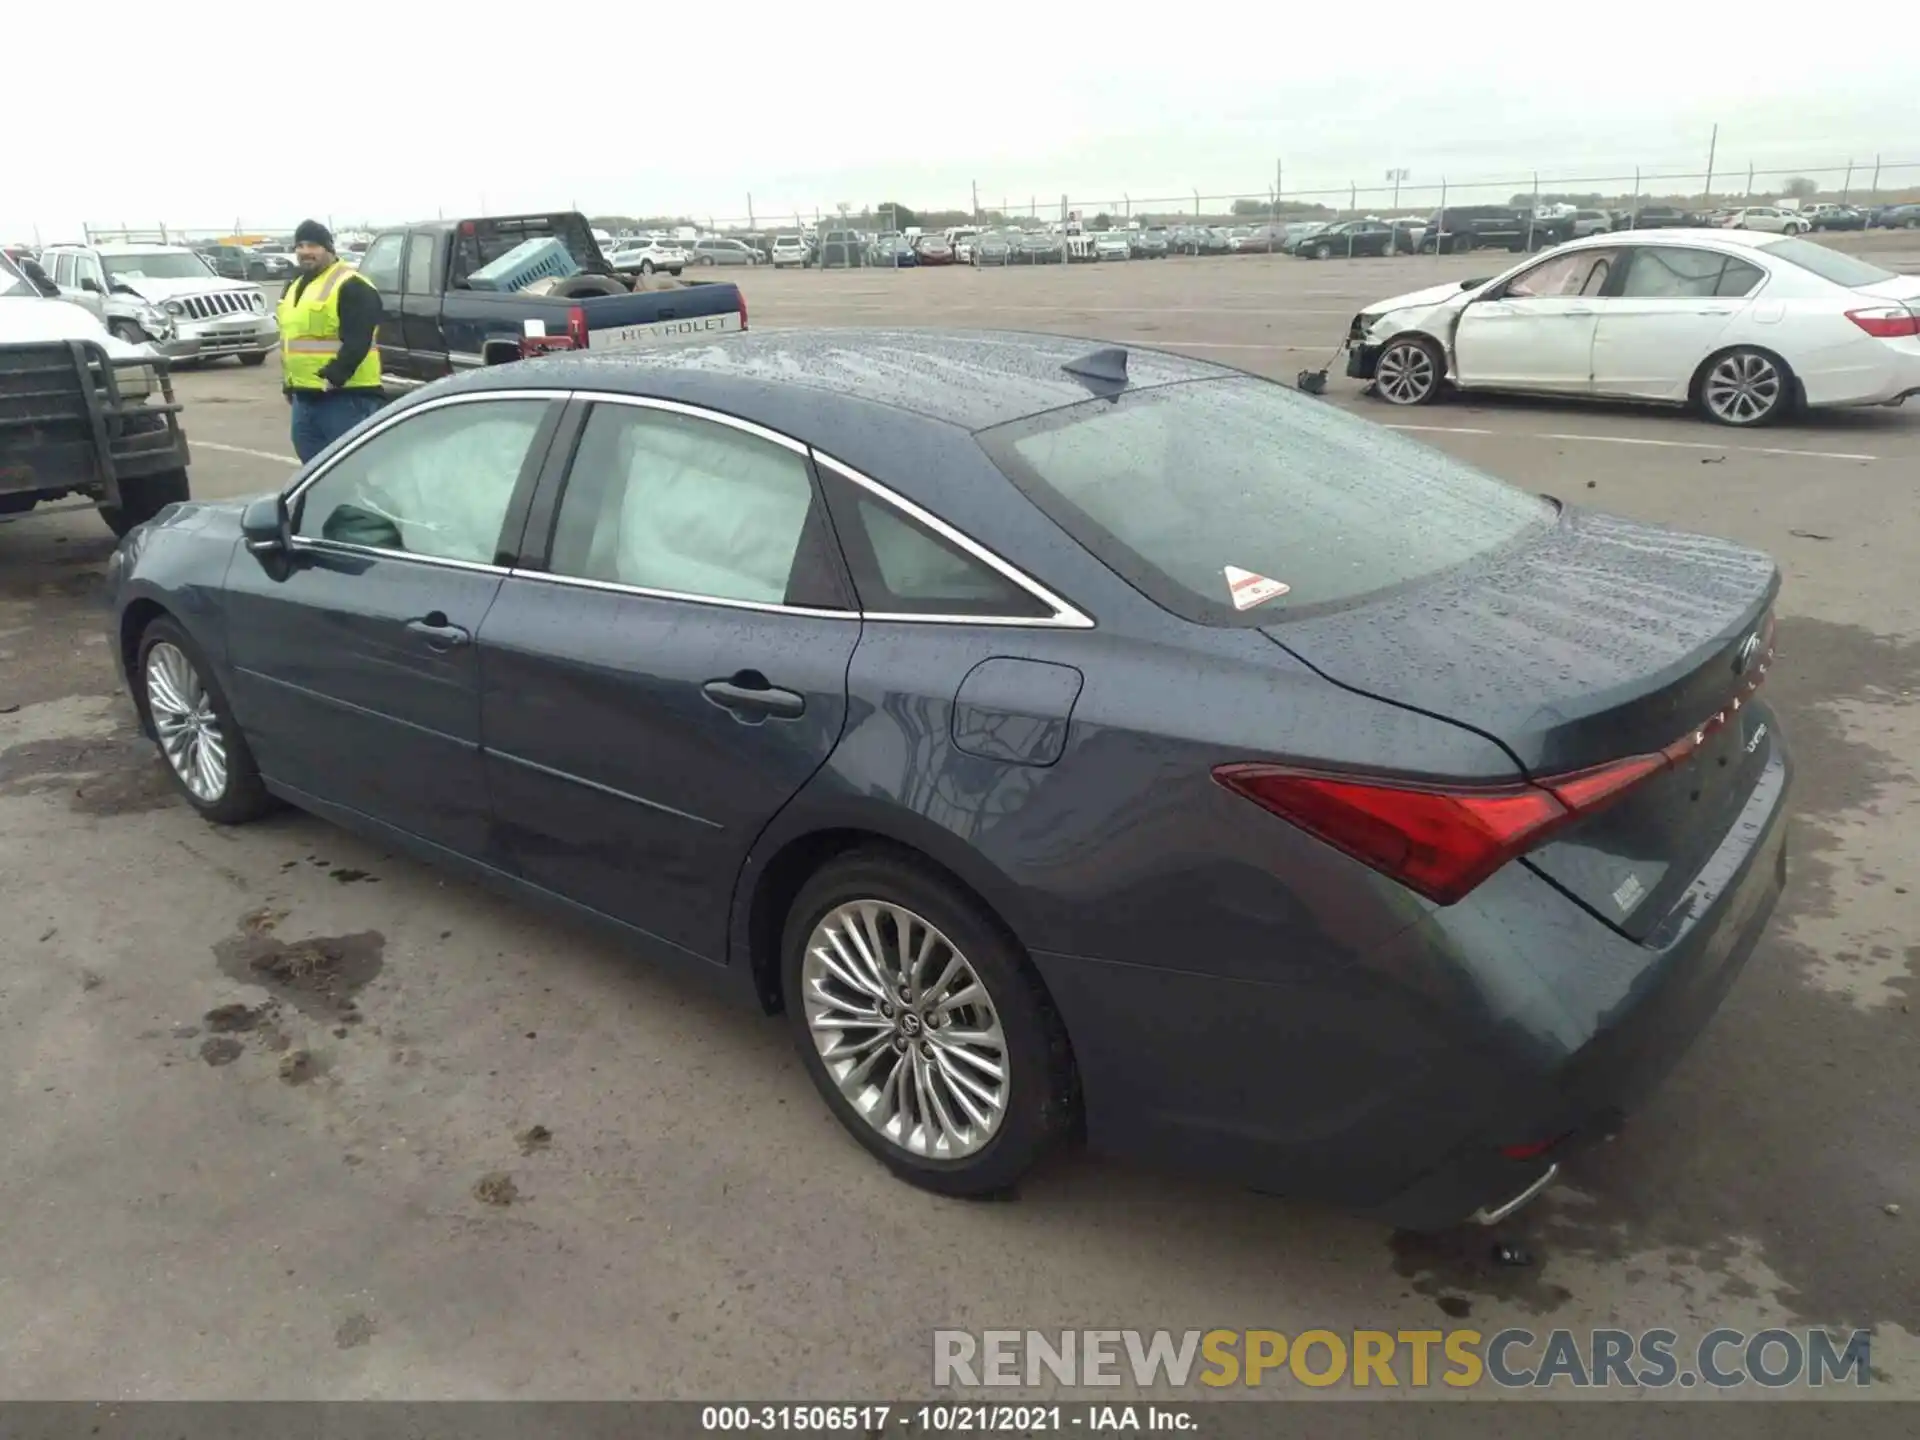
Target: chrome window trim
[465,397]
[614,587]
[380,552]
[1064,617]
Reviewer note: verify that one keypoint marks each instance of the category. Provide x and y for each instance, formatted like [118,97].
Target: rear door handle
[439,634]
[748,695]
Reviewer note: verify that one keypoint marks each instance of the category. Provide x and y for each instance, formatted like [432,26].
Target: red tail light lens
[1887,322]
[743,312]
[577,327]
[1440,843]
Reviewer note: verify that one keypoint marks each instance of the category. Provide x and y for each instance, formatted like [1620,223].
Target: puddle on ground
[319,975]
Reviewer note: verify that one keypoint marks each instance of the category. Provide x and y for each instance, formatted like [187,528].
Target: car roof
[973,379]
[1727,239]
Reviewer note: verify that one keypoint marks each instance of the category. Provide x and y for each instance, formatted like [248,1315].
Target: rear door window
[1185,489]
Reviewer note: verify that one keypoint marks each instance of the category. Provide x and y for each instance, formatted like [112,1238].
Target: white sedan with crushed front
[1746,327]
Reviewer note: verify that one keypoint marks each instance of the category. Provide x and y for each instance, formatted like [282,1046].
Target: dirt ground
[289,1116]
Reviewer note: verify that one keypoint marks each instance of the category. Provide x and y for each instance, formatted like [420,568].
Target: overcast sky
[371,113]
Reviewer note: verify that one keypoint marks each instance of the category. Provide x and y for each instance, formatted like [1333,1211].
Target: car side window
[1739,278]
[62,269]
[420,263]
[1670,271]
[664,501]
[1577,272]
[437,484]
[381,264]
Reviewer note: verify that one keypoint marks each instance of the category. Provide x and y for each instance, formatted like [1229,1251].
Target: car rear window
[1186,490]
[1841,269]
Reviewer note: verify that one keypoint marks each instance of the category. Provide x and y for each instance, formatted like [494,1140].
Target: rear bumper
[1398,1085]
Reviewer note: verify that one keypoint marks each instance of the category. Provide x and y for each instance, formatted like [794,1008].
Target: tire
[1410,371]
[646,267]
[257,358]
[576,287]
[142,497]
[1037,1096]
[1461,245]
[128,331]
[1745,387]
[1323,252]
[673,269]
[202,712]
[706,260]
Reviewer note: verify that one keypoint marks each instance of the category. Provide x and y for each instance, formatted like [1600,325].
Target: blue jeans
[319,420]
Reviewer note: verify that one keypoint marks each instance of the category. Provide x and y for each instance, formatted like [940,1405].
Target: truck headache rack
[64,423]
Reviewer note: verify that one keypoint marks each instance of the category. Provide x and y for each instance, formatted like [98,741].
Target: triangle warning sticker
[1249,589]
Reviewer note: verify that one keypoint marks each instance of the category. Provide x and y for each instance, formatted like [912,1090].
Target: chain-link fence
[1397,193]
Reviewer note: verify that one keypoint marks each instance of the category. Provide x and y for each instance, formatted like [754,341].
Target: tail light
[1887,322]
[1443,841]
[577,327]
[743,311]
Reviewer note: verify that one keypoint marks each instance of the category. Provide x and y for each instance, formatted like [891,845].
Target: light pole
[1394,178]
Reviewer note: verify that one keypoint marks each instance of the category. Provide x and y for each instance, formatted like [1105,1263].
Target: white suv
[647,254]
[166,296]
[790,250]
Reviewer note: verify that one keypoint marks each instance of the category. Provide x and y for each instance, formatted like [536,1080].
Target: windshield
[1174,488]
[1841,269]
[159,265]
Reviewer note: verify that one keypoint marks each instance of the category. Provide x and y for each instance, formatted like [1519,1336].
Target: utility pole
[976,202]
[1846,185]
[1706,195]
[1396,176]
[1749,180]
[750,210]
[1874,193]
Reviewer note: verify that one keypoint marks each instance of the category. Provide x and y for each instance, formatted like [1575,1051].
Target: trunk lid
[1600,640]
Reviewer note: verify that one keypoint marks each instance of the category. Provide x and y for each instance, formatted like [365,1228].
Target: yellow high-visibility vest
[310,332]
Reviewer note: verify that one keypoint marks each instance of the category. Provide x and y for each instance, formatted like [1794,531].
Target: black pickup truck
[437,321]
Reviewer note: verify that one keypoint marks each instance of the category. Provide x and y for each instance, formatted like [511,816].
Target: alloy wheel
[1405,373]
[906,1029]
[184,719]
[1743,388]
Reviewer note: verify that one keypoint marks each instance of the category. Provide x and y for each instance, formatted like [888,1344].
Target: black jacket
[360,312]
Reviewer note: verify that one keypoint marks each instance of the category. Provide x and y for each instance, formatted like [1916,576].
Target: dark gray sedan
[1063,741]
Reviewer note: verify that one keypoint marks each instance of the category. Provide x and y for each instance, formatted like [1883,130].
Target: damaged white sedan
[1745,327]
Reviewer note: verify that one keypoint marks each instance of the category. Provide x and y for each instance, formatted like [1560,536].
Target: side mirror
[265,526]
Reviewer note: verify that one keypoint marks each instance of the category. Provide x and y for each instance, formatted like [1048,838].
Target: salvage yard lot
[287,1199]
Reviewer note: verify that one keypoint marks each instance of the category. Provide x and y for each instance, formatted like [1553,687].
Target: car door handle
[748,695]
[438,633]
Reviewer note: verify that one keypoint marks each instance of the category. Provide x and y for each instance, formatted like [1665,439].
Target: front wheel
[142,497]
[194,727]
[924,1027]
[1322,252]
[257,357]
[646,267]
[128,331]
[1745,387]
[1409,371]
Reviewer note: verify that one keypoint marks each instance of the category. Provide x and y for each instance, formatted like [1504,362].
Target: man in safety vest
[329,363]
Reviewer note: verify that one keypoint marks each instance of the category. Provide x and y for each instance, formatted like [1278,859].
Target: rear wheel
[1745,387]
[1409,371]
[194,727]
[646,267]
[142,497]
[923,1026]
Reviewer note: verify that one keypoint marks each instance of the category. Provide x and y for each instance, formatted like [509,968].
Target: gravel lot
[277,1201]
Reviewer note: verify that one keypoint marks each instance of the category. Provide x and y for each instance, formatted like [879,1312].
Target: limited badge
[1249,589]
